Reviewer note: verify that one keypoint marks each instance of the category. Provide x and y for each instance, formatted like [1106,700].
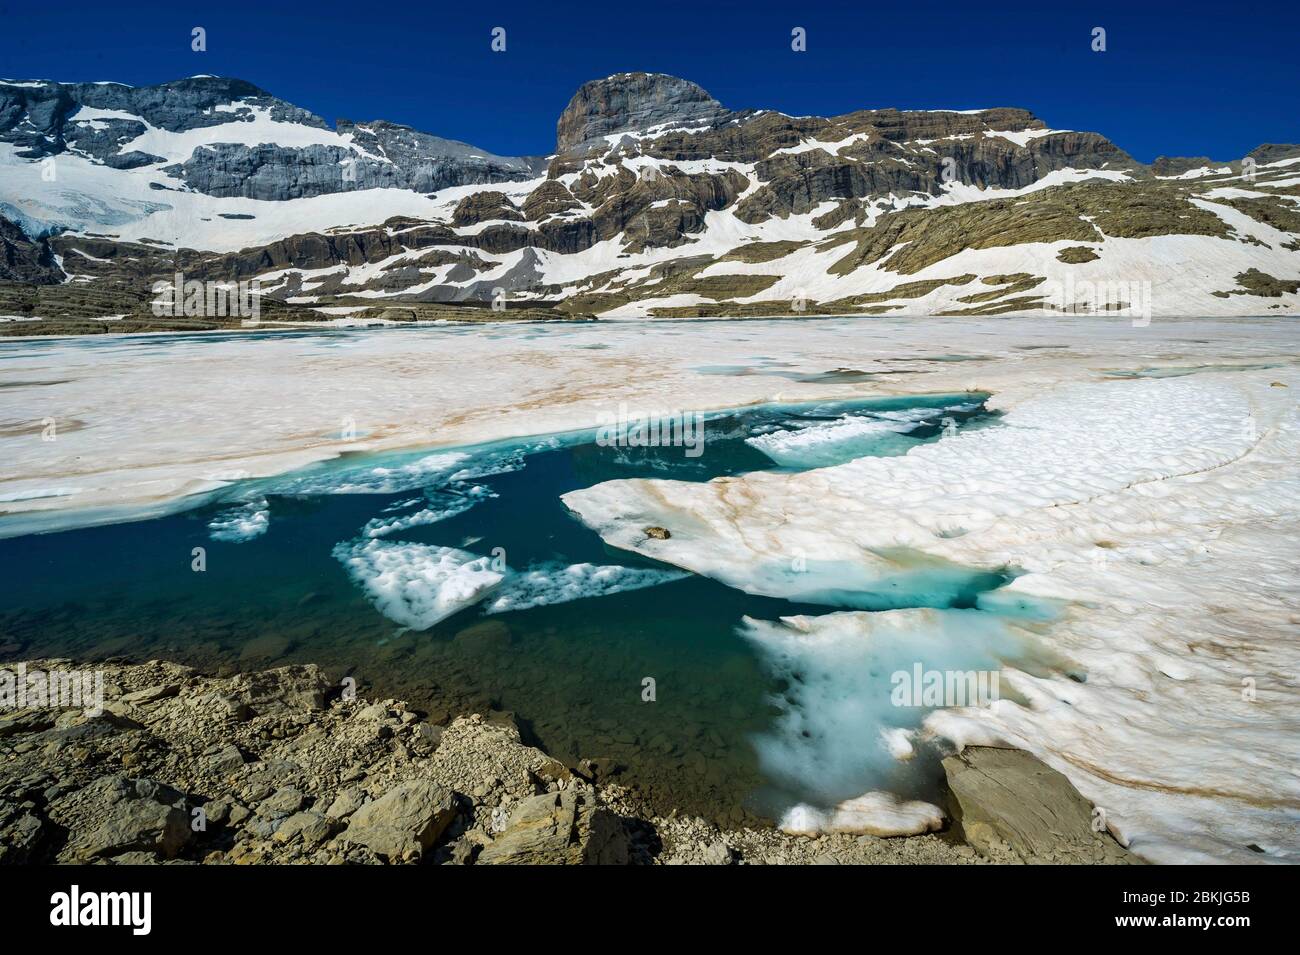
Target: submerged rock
[487,637]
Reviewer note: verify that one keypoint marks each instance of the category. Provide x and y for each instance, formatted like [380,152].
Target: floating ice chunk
[873,814]
[829,443]
[443,504]
[405,477]
[557,583]
[497,461]
[417,585]
[411,473]
[812,566]
[898,742]
[426,470]
[383,526]
[240,524]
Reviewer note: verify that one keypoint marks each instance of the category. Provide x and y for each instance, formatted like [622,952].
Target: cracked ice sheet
[123,454]
[1190,487]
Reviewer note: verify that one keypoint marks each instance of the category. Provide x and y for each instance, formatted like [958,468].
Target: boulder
[485,638]
[223,759]
[347,802]
[1008,802]
[121,815]
[283,802]
[564,828]
[310,827]
[404,821]
[717,853]
[20,837]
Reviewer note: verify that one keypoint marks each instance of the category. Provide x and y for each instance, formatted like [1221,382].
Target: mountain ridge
[658,200]
[62,99]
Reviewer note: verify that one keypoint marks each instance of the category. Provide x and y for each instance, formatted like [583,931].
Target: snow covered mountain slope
[658,201]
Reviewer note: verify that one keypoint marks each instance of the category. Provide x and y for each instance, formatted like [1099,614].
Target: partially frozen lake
[1112,532]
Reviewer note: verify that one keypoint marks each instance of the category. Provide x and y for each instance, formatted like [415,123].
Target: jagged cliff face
[23,260]
[241,140]
[658,200]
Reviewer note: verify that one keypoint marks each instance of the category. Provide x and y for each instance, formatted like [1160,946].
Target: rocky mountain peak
[41,117]
[627,102]
[752,201]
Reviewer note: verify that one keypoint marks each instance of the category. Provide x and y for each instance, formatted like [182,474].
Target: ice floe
[442,504]
[834,442]
[416,585]
[866,519]
[379,479]
[557,583]
[241,523]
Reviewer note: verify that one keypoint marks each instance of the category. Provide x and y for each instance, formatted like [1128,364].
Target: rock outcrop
[417,162]
[25,260]
[1010,804]
[45,119]
[40,116]
[629,102]
[485,207]
[404,822]
[275,766]
[564,828]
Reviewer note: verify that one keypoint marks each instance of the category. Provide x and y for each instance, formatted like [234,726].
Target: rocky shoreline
[282,766]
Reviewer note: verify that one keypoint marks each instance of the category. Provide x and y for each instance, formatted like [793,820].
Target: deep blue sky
[1192,78]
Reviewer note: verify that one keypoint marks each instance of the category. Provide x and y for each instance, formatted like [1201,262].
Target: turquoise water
[737,732]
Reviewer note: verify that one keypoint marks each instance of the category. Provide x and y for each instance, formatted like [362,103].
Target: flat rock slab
[123,815]
[161,692]
[1011,805]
